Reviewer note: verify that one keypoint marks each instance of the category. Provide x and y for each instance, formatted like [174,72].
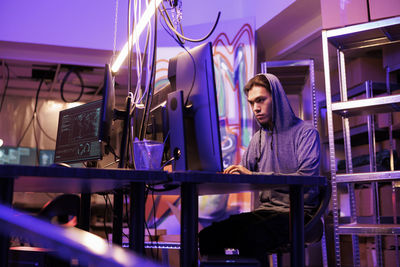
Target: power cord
[76,72]
[5,87]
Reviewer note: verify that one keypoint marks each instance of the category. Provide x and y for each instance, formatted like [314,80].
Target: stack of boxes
[339,13]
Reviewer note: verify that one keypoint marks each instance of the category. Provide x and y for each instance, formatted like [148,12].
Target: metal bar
[189,225]
[372,168]
[313,92]
[137,211]
[297,225]
[363,27]
[369,229]
[68,243]
[287,63]
[385,176]
[6,195]
[367,106]
[264,67]
[348,156]
[117,217]
[325,52]
[323,246]
[394,202]
[84,212]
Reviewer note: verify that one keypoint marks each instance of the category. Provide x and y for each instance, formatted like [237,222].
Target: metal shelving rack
[297,78]
[347,40]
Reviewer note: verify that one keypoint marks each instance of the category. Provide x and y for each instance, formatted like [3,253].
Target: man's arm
[308,153]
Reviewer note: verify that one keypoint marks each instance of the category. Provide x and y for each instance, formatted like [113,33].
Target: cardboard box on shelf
[337,13]
[364,68]
[364,200]
[380,9]
[389,242]
[360,150]
[358,120]
[367,254]
[383,120]
[385,145]
[389,258]
[391,55]
[386,197]
[364,205]
[337,124]
[366,249]
[346,251]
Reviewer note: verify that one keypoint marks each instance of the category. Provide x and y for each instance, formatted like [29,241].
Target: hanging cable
[184,37]
[178,39]
[129,47]
[76,72]
[151,81]
[42,130]
[36,141]
[140,62]
[33,115]
[149,62]
[5,87]
[138,56]
[194,76]
[191,57]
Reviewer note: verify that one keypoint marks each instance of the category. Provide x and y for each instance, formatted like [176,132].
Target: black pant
[253,233]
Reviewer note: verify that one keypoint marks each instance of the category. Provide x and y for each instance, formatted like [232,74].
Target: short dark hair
[258,80]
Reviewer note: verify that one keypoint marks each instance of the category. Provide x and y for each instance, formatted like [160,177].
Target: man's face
[261,103]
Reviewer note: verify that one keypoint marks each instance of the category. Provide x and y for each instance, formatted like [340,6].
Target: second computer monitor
[192,73]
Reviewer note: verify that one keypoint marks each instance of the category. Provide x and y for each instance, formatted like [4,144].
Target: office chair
[314,230]
[62,210]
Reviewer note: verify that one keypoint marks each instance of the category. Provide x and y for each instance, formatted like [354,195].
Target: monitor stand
[177,136]
[118,195]
[177,114]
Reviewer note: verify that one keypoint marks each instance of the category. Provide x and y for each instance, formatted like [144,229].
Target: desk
[201,183]
[85,180]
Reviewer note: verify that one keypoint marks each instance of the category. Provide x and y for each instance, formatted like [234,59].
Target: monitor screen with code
[78,135]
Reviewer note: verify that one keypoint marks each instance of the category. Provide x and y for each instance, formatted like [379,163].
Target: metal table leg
[6,195]
[117,217]
[297,225]
[189,225]
[84,216]
[137,211]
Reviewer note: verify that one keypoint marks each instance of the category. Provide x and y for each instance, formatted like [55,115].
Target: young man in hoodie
[284,145]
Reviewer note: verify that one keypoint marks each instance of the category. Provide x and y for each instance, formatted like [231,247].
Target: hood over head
[283,116]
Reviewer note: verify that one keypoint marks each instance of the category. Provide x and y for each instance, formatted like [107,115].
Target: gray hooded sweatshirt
[290,147]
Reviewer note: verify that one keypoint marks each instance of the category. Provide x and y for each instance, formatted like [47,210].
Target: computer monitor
[78,135]
[108,106]
[192,111]
[18,155]
[46,157]
[82,129]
